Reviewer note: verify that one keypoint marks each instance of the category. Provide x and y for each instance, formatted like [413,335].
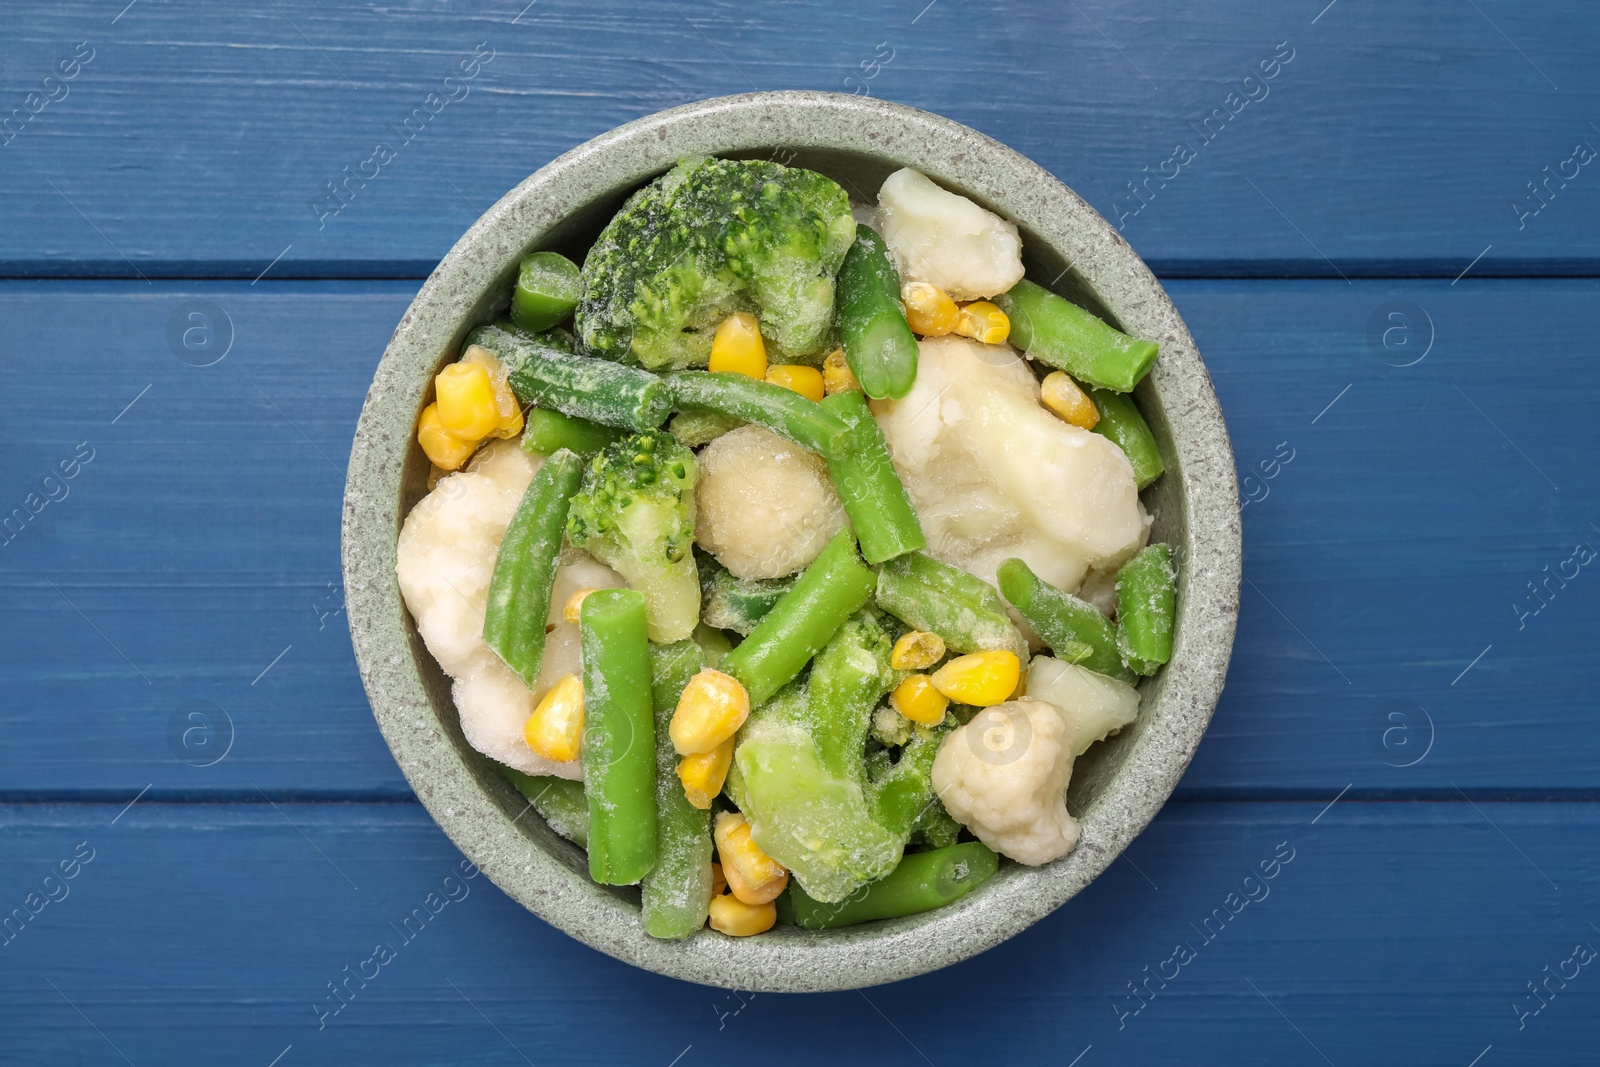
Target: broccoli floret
[635,513]
[709,238]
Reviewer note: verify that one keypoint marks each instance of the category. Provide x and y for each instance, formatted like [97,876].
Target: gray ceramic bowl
[1116,788]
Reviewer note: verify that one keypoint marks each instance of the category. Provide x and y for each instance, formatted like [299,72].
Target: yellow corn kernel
[980,678]
[711,709]
[1061,394]
[569,610]
[982,321]
[753,876]
[466,401]
[919,701]
[445,449]
[732,916]
[738,347]
[929,311]
[506,405]
[702,774]
[807,381]
[719,884]
[837,377]
[917,650]
[555,729]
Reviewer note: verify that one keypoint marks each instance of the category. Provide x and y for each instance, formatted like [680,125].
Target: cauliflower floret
[766,506]
[940,237]
[1004,776]
[993,474]
[1093,705]
[444,560]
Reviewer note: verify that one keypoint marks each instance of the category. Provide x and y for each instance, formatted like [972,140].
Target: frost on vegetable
[766,505]
[993,474]
[444,560]
[945,239]
[636,513]
[709,238]
[1094,705]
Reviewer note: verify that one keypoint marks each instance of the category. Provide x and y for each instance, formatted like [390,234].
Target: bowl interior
[1123,766]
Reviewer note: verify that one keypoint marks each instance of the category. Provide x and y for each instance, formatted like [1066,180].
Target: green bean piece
[1120,420]
[696,428]
[559,800]
[849,676]
[525,568]
[588,388]
[874,498]
[1059,333]
[1075,630]
[835,586]
[737,604]
[1147,601]
[783,411]
[547,290]
[923,881]
[878,345]
[961,608]
[676,894]
[545,431]
[619,736]
[900,791]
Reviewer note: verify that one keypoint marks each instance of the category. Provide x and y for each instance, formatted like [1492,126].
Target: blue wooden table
[1382,224]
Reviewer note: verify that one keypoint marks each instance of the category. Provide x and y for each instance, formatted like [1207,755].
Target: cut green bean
[835,586]
[676,894]
[619,742]
[1057,332]
[783,411]
[525,568]
[1121,422]
[547,290]
[878,344]
[923,881]
[1146,607]
[696,428]
[545,431]
[962,609]
[1075,630]
[737,604]
[559,800]
[874,498]
[582,386]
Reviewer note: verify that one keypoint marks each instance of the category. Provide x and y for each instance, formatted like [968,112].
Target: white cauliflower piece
[941,237]
[993,474]
[444,560]
[1094,705]
[765,507]
[1004,777]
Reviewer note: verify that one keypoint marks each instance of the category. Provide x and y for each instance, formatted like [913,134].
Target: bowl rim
[1177,707]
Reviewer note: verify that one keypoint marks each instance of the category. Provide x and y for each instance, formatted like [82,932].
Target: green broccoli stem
[923,881]
[878,344]
[544,431]
[559,800]
[1146,608]
[783,411]
[961,608]
[1063,621]
[1059,333]
[547,290]
[676,894]
[619,742]
[1121,422]
[874,497]
[835,586]
[593,389]
[525,568]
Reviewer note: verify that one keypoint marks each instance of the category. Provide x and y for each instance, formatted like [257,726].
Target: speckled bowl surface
[1116,788]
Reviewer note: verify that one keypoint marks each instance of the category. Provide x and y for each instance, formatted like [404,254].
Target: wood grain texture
[199,141]
[200,541]
[225,924]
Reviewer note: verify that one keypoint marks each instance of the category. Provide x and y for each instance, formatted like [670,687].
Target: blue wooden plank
[1385,934]
[200,140]
[199,543]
